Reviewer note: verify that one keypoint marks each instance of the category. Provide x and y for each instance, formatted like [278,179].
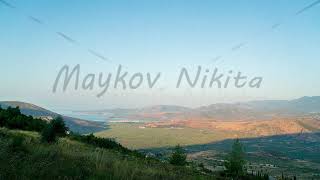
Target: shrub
[106,143]
[48,134]
[17,145]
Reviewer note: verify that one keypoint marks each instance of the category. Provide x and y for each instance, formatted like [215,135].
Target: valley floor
[293,154]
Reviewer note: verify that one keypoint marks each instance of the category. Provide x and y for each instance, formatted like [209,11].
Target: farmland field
[133,136]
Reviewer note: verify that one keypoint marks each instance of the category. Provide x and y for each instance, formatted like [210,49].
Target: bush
[106,143]
[178,157]
[48,135]
[17,145]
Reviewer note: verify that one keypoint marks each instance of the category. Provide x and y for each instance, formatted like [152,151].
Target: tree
[59,126]
[235,161]
[14,111]
[54,129]
[178,157]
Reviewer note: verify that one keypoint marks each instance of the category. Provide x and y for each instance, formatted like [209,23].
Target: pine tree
[235,161]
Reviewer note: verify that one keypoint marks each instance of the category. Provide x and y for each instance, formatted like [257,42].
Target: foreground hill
[23,156]
[75,124]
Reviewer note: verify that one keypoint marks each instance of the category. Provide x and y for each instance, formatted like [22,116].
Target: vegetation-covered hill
[24,156]
[36,149]
[74,124]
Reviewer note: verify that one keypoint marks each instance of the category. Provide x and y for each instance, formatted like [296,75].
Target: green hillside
[74,124]
[24,156]
[35,149]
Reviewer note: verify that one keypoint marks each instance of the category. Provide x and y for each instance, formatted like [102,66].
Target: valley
[278,136]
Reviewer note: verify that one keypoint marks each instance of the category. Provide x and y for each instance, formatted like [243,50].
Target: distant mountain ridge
[75,124]
[262,109]
[306,104]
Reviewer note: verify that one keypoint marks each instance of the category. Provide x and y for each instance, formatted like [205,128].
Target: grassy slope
[69,159]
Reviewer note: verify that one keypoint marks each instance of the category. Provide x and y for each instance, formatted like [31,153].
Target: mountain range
[251,110]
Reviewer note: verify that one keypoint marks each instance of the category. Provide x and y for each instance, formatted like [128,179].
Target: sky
[259,38]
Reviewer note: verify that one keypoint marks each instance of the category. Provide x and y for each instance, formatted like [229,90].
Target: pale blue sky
[159,36]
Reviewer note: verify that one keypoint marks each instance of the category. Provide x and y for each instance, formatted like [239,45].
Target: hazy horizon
[61,109]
